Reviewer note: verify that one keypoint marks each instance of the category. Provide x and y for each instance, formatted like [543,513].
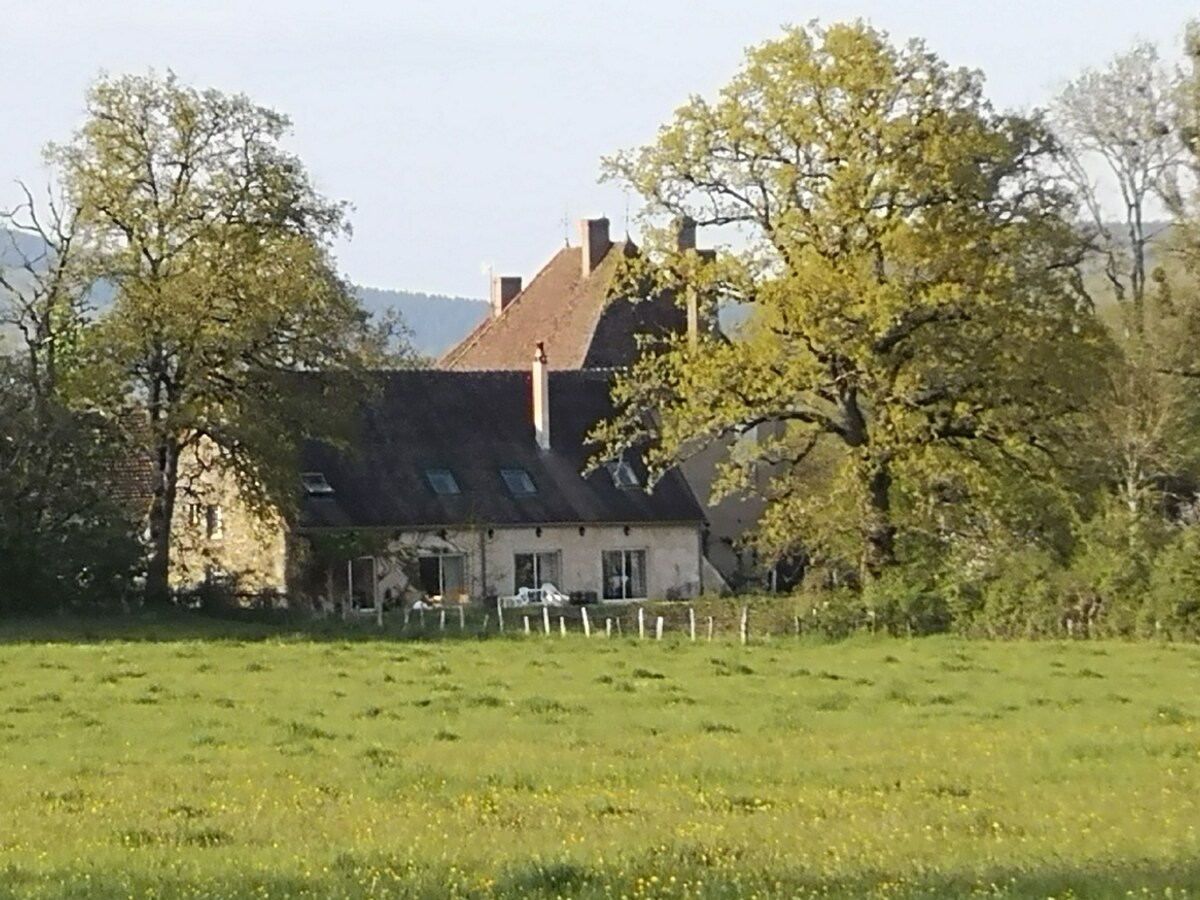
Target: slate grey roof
[475,424]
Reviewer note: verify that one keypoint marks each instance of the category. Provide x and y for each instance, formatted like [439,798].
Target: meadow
[190,759]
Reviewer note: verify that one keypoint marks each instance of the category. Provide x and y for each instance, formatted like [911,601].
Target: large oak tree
[218,246]
[917,349]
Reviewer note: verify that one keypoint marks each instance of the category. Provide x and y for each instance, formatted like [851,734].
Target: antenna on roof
[566,224]
[486,268]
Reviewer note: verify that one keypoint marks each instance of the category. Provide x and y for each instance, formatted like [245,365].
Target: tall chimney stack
[699,323]
[504,289]
[541,397]
[593,235]
[685,233]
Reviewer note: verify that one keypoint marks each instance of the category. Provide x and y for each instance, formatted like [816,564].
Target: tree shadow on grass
[173,625]
[352,876]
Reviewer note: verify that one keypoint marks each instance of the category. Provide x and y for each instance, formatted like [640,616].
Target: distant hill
[437,322]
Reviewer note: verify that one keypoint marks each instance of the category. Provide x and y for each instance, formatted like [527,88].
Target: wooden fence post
[487,620]
[442,619]
[378,610]
[406,615]
[562,625]
[745,624]
[500,615]
[641,623]
[608,628]
[587,626]
[462,618]
[692,622]
[658,628]
[546,619]
[710,629]
[526,618]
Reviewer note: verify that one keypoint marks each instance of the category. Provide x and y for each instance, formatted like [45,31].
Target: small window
[519,482]
[315,484]
[214,522]
[623,475]
[442,481]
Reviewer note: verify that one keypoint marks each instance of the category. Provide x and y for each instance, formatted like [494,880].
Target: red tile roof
[572,315]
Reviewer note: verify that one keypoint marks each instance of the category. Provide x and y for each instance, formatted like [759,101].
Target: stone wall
[215,532]
[673,558]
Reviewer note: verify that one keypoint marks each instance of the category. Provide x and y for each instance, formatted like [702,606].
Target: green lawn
[237,762]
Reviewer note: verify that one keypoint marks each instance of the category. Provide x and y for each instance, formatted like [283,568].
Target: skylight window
[623,475]
[315,484]
[442,482]
[519,483]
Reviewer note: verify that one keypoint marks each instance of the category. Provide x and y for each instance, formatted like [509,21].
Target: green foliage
[1174,597]
[916,343]
[1114,562]
[218,247]
[65,541]
[277,764]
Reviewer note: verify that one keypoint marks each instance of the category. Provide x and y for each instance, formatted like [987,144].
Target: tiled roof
[133,473]
[571,315]
[475,424]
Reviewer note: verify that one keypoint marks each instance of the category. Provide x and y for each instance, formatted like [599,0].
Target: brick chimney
[593,235]
[541,397]
[504,289]
[699,323]
[685,233]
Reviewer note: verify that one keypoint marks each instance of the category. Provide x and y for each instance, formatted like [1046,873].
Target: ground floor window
[353,582]
[624,573]
[444,575]
[532,570]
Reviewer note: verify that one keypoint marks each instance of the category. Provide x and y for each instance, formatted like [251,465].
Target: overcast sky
[463,131]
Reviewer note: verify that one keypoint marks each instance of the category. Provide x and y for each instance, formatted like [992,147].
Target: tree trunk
[162,510]
[879,534]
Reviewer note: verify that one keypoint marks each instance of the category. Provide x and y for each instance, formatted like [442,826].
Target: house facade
[569,308]
[458,487]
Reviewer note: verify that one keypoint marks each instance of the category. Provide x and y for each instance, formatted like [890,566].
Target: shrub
[1173,604]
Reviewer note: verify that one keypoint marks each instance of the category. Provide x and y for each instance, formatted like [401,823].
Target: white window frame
[645,551]
[374,592]
[441,558]
[214,522]
[538,579]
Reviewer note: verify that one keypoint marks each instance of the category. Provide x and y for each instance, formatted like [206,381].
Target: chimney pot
[593,234]
[504,290]
[541,397]
[685,233]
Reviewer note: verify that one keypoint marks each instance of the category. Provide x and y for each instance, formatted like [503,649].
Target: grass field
[242,762]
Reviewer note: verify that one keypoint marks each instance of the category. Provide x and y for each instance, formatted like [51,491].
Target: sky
[465,134]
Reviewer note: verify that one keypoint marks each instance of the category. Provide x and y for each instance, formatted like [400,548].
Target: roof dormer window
[519,482]
[623,475]
[315,484]
[442,482]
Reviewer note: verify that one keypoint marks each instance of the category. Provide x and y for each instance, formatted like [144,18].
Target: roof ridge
[455,353]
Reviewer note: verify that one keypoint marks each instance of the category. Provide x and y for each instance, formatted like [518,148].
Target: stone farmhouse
[475,479]
[460,487]
[567,306]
